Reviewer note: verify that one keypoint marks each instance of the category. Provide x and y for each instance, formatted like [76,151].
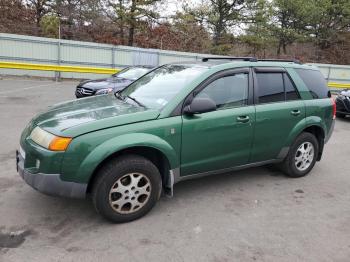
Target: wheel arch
[313,125]
[153,148]
[157,157]
[319,133]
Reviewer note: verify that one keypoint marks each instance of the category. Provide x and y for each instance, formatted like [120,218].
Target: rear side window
[291,92]
[270,87]
[275,87]
[315,82]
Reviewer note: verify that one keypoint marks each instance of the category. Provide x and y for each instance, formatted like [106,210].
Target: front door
[222,138]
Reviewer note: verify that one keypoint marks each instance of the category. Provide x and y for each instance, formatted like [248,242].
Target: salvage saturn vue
[178,122]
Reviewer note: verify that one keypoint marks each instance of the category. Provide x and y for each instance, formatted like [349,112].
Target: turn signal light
[60,143]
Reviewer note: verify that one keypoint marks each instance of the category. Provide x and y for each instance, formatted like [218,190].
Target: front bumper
[343,105]
[50,184]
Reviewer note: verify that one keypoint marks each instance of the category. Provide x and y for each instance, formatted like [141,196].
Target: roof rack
[250,59]
[296,61]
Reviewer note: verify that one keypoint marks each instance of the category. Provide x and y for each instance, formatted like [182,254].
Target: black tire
[340,115]
[115,170]
[289,166]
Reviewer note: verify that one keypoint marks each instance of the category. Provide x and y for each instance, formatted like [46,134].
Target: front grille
[83,91]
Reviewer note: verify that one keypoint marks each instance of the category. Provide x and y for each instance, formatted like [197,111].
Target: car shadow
[56,213]
[236,180]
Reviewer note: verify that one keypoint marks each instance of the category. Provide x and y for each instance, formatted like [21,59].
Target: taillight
[334,108]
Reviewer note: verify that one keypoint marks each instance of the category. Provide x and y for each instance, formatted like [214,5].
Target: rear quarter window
[315,82]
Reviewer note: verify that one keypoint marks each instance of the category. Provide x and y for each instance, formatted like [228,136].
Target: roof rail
[250,59]
[296,61]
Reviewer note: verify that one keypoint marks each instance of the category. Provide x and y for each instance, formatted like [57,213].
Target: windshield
[157,88]
[132,73]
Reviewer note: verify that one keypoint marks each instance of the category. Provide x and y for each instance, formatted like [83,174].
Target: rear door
[220,139]
[278,109]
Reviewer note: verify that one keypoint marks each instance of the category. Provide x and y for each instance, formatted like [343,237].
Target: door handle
[243,119]
[295,112]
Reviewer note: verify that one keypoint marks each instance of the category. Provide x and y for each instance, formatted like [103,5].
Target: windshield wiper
[121,78]
[119,96]
[136,101]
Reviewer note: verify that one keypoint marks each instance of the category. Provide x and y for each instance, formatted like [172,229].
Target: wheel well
[319,134]
[154,155]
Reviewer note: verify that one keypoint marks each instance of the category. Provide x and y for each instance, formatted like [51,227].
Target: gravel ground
[251,215]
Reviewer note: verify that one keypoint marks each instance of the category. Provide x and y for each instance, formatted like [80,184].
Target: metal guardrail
[98,70]
[28,49]
[58,68]
[338,85]
[67,58]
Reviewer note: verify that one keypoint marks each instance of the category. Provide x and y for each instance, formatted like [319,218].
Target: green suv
[178,122]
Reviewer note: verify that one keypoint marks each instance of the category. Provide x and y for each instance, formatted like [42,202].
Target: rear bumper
[50,184]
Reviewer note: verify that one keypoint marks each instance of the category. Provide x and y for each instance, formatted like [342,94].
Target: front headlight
[104,91]
[49,141]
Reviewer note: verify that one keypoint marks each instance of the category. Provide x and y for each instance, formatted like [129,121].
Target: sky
[169,7]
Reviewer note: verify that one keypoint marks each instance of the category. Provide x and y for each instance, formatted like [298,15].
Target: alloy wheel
[130,193]
[304,156]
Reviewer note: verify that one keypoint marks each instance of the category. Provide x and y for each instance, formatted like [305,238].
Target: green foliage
[315,29]
[326,19]
[50,26]
[219,16]
[221,49]
[289,19]
[131,13]
[259,35]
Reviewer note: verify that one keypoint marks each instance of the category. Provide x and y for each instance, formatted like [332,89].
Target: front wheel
[126,188]
[302,156]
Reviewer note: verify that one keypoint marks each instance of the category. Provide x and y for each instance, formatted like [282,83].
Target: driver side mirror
[200,106]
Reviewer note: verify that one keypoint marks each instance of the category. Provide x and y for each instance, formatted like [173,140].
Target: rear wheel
[302,156]
[126,188]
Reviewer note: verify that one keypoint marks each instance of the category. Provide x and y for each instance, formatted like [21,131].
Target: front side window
[229,91]
[157,88]
[270,87]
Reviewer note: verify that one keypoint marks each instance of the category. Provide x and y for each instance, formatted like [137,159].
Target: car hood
[112,82]
[85,115]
